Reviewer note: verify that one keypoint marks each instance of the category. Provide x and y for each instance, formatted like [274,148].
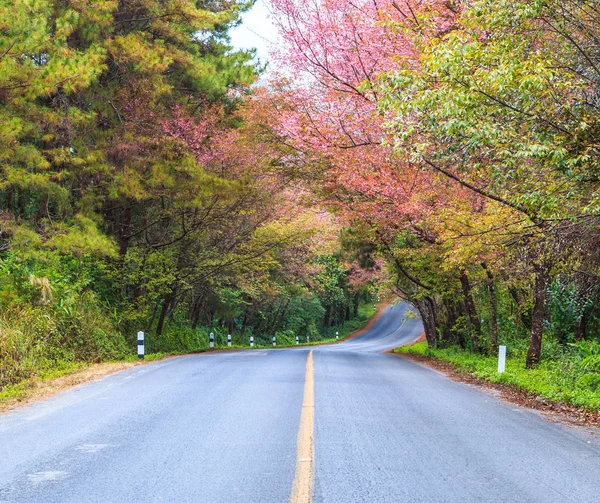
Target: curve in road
[396,326]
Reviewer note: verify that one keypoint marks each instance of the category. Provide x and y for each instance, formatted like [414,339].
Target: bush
[589,382]
[35,339]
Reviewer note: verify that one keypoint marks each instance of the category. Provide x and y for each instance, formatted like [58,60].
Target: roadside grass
[52,382]
[559,379]
[20,390]
[29,389]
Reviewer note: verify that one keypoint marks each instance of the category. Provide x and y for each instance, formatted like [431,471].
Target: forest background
[143,189]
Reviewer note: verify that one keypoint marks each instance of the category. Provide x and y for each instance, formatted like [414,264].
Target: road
[341,424]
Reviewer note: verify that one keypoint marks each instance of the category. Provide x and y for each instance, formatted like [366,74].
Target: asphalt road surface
[342,424]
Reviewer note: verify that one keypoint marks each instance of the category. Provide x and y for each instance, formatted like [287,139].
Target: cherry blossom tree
[332,58]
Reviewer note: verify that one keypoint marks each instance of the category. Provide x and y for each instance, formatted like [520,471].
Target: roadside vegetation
[142,187]
[447,151]
[460,139]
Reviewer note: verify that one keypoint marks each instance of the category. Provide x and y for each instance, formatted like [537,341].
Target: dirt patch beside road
[38,389]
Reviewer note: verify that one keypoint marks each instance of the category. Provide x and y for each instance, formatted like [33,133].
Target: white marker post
[251,341]
[501,359]
[337,335]
[211,339]
[229,340]
[141,350]
[274,341]
[308,338]
[297,340]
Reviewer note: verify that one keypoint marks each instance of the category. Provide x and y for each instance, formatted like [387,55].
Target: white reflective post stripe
[501,359]
[141,348]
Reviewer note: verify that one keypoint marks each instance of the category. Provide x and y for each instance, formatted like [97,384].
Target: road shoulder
[36,389]
[559,412]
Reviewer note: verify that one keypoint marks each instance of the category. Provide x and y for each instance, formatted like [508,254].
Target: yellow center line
[305,459]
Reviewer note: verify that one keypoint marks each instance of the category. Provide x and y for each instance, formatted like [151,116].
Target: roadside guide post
[211,338]
[501,359]
[274,341]
[337,335]
[229,340]
[251,341]
[297,340]
[141,349]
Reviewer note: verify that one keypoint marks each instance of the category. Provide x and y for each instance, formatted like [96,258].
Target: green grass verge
[20,390]
[556,380]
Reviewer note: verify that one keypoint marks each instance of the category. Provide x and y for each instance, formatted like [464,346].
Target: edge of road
[37,389]
[557,412]
[41,389]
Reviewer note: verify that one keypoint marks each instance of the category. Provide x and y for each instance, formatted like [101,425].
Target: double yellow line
[305,461]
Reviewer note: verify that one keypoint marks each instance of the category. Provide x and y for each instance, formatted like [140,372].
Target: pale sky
[256,31]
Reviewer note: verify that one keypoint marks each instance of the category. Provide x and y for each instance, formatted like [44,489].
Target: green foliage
[40,339]
[567,307]
[132,187]
[589,383]
[502,114]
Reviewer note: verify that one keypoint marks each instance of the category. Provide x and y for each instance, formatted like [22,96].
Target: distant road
[340,424]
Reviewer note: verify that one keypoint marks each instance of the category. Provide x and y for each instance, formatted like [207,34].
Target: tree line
[141,188]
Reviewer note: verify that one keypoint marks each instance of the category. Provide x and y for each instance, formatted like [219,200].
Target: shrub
[589,382]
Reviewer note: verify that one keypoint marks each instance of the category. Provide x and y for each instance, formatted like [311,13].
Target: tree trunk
[538,316]
[273,320]
[244,324]
[43,207]
[163,314]
[196,311]
[427,310]
[8,204]
[327,316]
[173,306]
[450,333]
[522,316]
[124,230]
[493,309]
[356,302]
[471,310]
[153,315]
[280,317]
[580,330]
[260,324]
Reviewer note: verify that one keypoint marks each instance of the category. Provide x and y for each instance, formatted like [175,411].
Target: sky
[256,31]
